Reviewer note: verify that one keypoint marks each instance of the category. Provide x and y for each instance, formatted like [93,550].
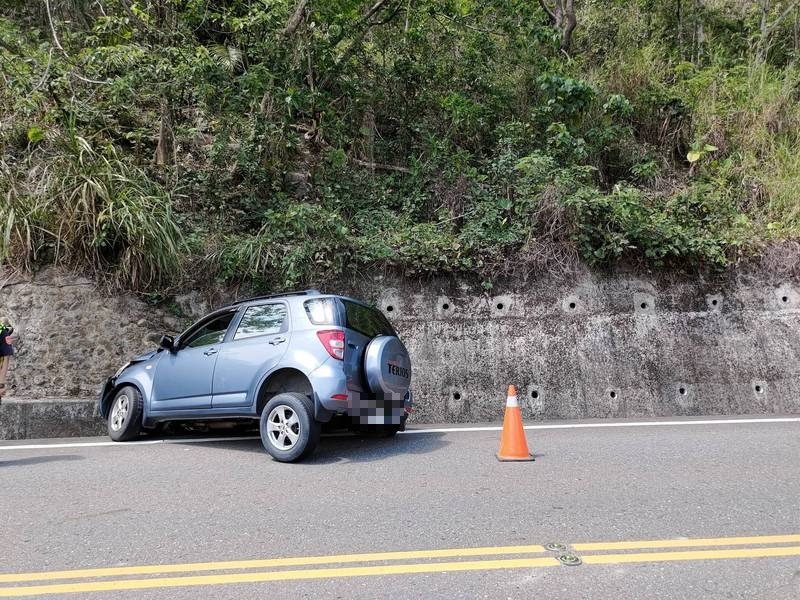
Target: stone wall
[70,336]
[604,347]
[619,345]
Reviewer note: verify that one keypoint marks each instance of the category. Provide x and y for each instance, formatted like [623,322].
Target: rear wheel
[288,429]
[125,416]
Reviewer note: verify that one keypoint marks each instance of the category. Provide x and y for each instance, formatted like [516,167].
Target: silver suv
[294,361]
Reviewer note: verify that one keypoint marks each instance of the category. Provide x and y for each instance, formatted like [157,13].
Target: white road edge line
[614,424]
[123,444]
[415,431]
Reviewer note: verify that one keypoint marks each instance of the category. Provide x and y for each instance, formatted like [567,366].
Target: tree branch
[782,16]
[294,20]
[380,166]
[375,8]
[87,80]
[53,28]
[387,19]
[572,22]
[364,25]
[46,72]
[548,11]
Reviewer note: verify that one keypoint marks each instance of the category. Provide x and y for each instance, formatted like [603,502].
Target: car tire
[125,414]
[288,429]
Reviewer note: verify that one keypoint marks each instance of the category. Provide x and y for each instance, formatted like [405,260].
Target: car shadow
[365,448]
[346,447]
[36,460]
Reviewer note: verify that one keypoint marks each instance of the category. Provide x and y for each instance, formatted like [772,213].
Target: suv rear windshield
[367,321]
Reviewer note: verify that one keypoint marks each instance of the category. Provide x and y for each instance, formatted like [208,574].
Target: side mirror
[167,342]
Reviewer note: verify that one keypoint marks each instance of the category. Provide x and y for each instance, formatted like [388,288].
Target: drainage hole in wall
[713,303]
[572,306]
[389,308]
[456,396]
[682,391]
[613,394]
[643,305]
[499,306]
[445,306]
[759,389]
[534,394]
[785,299]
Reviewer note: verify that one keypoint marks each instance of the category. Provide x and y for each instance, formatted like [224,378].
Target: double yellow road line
[422,561]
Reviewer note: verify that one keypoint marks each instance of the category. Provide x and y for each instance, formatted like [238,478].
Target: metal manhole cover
[555,547]
[570,560]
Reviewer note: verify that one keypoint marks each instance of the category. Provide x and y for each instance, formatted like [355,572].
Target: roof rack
[311,292]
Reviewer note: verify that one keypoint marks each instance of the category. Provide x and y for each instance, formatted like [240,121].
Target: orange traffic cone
[513,445]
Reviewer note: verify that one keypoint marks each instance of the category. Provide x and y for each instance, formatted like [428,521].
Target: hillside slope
[281,142]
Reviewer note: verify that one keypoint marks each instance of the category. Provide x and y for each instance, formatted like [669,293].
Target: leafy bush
[696,225]
[427,137]
[291,247]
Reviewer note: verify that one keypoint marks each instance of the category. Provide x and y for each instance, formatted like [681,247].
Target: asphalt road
[472,527]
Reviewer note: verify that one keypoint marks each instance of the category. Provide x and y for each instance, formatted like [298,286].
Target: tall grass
[751,113]
[24,216]
[91,209]
[114,217]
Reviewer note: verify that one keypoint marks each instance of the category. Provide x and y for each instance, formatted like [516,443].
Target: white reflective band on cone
[512,401]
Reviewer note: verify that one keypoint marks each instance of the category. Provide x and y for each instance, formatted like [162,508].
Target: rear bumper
[381,410]
[333,397]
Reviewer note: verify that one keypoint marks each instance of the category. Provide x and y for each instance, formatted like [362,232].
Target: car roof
[307,293]
[271,296]
[235,306]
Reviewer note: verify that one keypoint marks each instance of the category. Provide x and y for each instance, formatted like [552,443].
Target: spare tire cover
[387,366]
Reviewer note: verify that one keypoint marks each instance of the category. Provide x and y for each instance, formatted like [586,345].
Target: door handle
[277,340]
[210,351]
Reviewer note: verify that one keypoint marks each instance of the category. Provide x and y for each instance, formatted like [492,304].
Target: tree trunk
[368,129]
[563,18]
[164,148]
[570,22]
[701,40]
[699,37]
[767,28]
[296,18]
[765,6]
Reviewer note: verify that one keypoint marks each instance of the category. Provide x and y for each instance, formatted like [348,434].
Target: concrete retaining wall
[49,418]
[593,346]
[606,347]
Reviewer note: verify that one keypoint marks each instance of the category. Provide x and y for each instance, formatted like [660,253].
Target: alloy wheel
[120,412]
[283,427]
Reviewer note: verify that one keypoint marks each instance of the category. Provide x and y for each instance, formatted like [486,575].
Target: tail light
[333,340]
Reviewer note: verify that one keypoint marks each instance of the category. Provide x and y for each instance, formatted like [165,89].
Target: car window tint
[365,320]
[212,332]
[262,320]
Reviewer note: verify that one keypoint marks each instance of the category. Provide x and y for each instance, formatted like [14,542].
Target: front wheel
[125,416]
[288,429]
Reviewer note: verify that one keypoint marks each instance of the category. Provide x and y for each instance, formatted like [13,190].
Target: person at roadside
[6,352]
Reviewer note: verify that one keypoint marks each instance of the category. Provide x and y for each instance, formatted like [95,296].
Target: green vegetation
[284,142]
